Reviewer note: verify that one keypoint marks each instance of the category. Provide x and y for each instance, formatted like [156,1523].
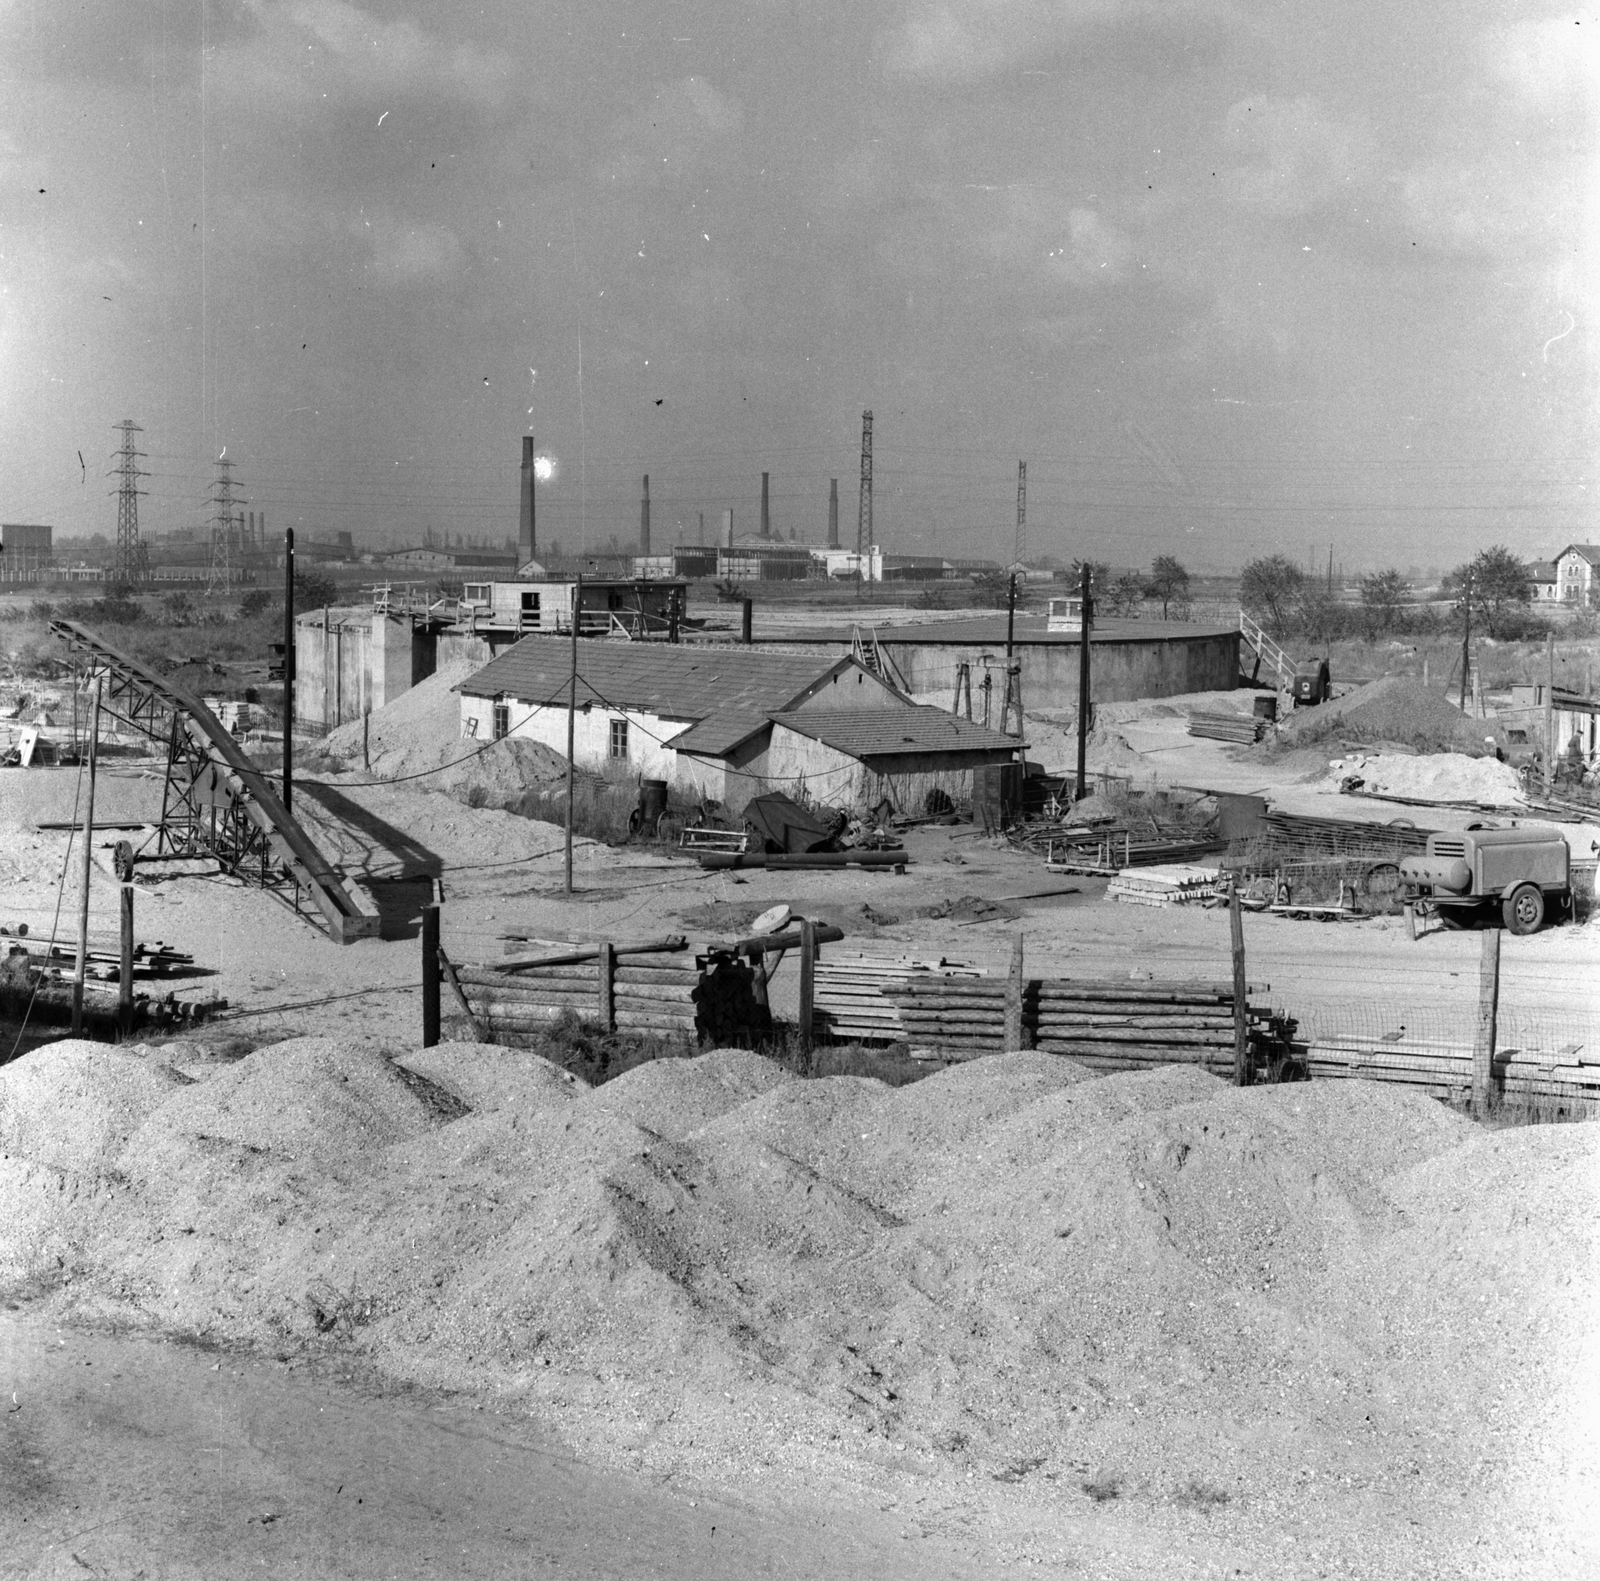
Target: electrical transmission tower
[133,561]
[224,528]
[1022,514]
[864,519]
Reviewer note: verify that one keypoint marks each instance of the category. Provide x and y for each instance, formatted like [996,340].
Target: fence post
[124,858]
[430,976]
[808,978]
[608,1005]
[1241,1005]
[1488,1013]
[1013,1031]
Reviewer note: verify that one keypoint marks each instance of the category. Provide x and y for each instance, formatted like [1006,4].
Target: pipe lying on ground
[797,861]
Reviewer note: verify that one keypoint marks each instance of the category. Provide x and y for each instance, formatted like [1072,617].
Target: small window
[619,738]
[502,720]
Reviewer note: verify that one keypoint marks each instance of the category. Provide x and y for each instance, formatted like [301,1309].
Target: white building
[1576,571]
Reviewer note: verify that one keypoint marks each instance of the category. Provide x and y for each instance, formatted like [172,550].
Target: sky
[1232,277]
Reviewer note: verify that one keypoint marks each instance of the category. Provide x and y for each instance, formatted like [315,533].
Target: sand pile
[1393,709]
[416,740]
[1440,777]
[1012,1268]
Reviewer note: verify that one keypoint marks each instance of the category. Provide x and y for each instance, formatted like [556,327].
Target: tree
[1499,586]
[178,609]
[1169,582]
[1125,594]
[313,589]
[257,601]
[1383,595]
[1269,589]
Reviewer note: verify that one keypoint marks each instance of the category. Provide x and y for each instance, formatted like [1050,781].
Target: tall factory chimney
[727,529]
[644,518]
[527,542]
[766,515]
[833,513]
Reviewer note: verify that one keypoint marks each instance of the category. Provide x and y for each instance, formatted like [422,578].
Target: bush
[177,609]
[257,602]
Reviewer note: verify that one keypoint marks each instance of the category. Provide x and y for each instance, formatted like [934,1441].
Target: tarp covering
[782,824]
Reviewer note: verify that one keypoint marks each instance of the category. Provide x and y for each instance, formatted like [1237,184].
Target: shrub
[257,602]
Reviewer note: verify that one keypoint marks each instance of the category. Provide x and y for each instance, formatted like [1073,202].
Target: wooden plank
[454,983]
[808,980]
[590,952]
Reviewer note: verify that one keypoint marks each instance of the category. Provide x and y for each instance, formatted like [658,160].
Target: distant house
[1544,582]
[25,551]
[727,723]
[1576,571]
[431,559]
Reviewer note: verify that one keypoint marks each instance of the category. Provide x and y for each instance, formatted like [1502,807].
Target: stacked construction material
[1120,1024]
[647,991]
[104,959]
[46,995]
[1111,852]
[1173,885]
[1304,835]
[1567,1076]
[1243,729]
[849,1006]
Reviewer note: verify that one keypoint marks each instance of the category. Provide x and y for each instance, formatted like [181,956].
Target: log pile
[45,995]
[104,955]
[1112,1025]
[1242,729]
[849,1006]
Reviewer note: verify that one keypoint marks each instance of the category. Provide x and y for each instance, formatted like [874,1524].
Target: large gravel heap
[1149,1286]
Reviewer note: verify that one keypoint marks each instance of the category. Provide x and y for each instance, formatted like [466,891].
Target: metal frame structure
[215,801]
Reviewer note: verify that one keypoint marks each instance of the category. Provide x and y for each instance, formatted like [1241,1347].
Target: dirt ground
[475,1481]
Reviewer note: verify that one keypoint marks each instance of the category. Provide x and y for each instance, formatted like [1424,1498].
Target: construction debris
[1241,729]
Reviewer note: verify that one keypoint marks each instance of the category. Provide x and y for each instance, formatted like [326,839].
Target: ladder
[1266,650]
[867,652]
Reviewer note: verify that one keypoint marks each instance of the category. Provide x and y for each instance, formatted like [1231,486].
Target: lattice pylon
[224,528]
[132,563]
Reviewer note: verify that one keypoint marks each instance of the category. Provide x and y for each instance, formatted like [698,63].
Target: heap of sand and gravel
[416,741]
[1012,1269]
[1396,709]
[1431,777]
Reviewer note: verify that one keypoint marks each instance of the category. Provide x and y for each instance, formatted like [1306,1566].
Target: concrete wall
[812,771]
[353,661]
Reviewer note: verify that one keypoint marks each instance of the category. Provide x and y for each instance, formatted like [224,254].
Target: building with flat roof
[25,551]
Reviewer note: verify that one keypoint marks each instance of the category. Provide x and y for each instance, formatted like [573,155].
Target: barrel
[1267,706]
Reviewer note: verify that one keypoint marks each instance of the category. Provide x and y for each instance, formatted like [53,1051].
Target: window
[530,609]
[502,720]
[619,739]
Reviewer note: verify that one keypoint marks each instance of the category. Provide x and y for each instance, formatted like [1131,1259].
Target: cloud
[1298,157]
[968,40]
[1549,65]
[406,254]
[304,50]
[665,141]
[1046,242]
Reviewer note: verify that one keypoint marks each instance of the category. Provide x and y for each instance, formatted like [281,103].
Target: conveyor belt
[216,800]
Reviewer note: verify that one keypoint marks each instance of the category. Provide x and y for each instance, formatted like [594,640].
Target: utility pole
[1466,639]
[1013,697]
[1083,685]
[288,668]
[1021,545]
[224,526]
[864,513]
[572,716]
[81,969]
[133,561]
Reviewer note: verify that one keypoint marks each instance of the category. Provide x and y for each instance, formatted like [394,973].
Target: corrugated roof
[879,732]
[677,682]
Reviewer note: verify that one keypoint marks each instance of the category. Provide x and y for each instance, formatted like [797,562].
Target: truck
[1526,870]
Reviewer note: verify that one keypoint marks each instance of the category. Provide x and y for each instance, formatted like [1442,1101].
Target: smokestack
[700,537]
[727,529]
[833,513]
[766,519]
[252,540]
[526,539]
[644,518]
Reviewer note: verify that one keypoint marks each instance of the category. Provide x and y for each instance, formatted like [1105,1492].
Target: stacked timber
[1173,885]
[45,995]
[1112,1025]
[104,958]
[1570,1075]
[1242,729]
[849,1006]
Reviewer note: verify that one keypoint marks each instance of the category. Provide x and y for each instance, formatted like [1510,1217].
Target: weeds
[1201,1496]
[1103,1487]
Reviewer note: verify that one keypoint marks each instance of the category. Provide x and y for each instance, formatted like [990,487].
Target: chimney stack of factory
[833,513]
[644,518]
[766,515]
[527,542]
[727,529]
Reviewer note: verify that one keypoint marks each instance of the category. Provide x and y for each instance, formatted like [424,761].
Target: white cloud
[303,50]
[1298,156]
[1549,65]
[665,140]
[406,254]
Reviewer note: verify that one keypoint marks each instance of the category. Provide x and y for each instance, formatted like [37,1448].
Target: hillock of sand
[1148,1282]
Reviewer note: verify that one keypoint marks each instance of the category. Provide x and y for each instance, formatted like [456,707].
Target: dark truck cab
[1526,870]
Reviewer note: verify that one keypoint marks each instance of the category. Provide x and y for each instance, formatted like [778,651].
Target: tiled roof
[719,733]
[1542,570]
[1589,551]
[880,732]
[676,682]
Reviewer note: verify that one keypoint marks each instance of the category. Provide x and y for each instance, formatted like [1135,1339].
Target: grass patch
[1196,1495]
[1103,1487]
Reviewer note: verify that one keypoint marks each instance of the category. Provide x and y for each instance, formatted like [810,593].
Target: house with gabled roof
[1576,572]
[704,719]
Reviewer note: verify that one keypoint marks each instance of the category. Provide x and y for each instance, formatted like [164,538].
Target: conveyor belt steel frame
[216,802]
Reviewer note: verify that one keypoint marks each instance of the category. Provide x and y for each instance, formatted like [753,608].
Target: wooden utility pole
[430,976]
[1241,1005]
[80,970]
[1488,1015]
[1013,1028]
[288,669]
[125,917]
[572,716]
[808,980]
[1549,711]
[1466,640]
[1083,685]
